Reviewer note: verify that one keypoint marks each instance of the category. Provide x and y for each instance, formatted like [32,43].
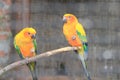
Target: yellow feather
[79,27]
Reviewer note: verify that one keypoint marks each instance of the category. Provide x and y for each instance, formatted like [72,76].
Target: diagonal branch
[45,54]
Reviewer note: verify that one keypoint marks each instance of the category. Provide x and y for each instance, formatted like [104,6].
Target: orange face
[29,33]
[69,18]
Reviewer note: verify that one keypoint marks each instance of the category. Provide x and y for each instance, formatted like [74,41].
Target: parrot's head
[29,33]
[69,18]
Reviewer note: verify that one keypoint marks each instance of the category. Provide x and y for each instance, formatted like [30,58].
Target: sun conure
[76,37]
[25,45]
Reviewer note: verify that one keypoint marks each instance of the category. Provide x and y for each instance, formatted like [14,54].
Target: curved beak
[33,36]
[64,20]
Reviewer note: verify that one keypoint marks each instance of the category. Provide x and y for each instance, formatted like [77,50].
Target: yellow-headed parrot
[25,45]
[76,37]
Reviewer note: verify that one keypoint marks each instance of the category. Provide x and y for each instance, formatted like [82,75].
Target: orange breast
[76,42]
[27,50]
[69,32]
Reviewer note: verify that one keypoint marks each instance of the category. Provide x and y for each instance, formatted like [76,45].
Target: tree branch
[41,55]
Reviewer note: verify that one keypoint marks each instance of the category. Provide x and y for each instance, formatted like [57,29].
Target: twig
[45,54]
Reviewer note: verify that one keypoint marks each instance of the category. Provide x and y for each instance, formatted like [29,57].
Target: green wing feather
[18,50]
[84,50]
[82,37]
[35,45]
[81,33]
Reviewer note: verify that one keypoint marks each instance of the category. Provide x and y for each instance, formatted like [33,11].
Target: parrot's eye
[28,33]
[69,17]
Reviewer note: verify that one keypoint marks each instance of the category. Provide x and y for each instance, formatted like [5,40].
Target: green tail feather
[81,57]
[32,68]
[85,67]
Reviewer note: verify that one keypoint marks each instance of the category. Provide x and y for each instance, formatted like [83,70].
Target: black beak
[64,20]
[33,36]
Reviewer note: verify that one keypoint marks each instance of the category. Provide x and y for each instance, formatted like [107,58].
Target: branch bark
[41,55]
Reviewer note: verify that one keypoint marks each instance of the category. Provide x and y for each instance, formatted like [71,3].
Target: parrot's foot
[27,60]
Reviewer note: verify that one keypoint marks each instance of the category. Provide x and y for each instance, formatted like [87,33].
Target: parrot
[26,47]
[76,36]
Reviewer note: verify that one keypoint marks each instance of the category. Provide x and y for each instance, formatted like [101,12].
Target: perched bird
[76,37]
[25,45]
